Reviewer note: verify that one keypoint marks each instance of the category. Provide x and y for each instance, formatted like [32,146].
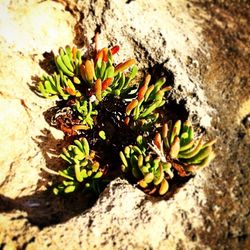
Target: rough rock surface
[203,46]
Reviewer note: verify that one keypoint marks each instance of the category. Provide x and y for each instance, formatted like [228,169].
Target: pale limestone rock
[210,211]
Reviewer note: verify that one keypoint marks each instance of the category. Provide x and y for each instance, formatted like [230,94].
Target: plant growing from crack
[84,168]
[100,103]
[149,98]
[172,150]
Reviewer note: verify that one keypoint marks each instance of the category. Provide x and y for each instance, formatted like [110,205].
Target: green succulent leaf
[86,111]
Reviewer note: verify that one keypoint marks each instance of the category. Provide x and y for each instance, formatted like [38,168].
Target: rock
[125,218]
[23,43]
[202,48]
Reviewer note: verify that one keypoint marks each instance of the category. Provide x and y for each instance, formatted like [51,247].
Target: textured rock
[203,47]
[125,218]
[24,38]
[155,34]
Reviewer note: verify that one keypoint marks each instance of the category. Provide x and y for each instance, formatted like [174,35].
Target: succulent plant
[63,83]
[183,148]
[149,99]
[99,75]
[57,85]
[84,86]
[86,111]
[68,62]
[83,169]
[147,168]
[174,150]
[104,78]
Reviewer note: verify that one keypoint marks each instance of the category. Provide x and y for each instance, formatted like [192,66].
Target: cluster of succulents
[149,98]
[63,83]
[172,151]
[82,85]
[99,75]
[105,78]
[84,169]
[150,171]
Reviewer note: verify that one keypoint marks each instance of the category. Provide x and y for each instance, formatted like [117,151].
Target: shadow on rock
[160,70]
[44,208]
[48,65]
[51,149]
